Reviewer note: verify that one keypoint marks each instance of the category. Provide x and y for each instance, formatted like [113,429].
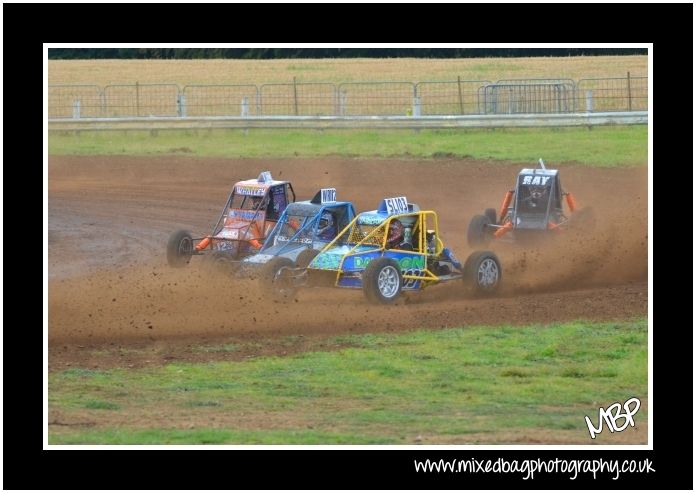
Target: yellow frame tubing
[429,277]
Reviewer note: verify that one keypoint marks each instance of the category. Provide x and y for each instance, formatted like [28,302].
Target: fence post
[336,101]
[557,92]
[416,106]
[588,101]
[294,88]
[76,108]
[629,90]
[137,98]
[245,107]
[181,109]
[342,100]
[461,103]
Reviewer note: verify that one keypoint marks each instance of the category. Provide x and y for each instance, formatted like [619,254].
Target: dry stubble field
[182,72]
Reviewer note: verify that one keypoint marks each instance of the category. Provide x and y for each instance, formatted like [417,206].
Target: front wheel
[482,272]
[382,281]
[274,281]
[305,257]
[179,248]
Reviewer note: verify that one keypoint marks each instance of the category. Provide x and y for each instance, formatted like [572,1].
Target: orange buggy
[251,212]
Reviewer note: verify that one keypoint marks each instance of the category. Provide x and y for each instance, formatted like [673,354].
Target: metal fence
[526,96]
[75,101]
[123,100]
[613,94]
[458,97]
[304,99]
[350,99]
[376,98]
[219,100]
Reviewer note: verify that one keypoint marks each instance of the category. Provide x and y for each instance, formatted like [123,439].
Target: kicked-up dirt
[113,301]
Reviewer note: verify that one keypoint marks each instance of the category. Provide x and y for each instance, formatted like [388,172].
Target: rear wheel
[478,233]
[275,283]
[382,281]
[492,215]
[482,272]
[179,248]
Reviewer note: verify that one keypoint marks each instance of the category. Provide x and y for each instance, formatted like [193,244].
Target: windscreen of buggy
[296,227]
[360,231]
[533,198]
[246,202]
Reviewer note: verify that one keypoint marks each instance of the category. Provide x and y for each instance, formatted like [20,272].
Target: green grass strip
[598,146]
[377,388]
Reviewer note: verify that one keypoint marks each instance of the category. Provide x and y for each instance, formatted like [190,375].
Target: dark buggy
[534,207]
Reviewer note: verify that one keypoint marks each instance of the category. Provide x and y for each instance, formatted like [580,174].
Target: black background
[669,27]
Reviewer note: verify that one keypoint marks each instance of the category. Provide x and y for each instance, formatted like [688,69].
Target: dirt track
[110,287]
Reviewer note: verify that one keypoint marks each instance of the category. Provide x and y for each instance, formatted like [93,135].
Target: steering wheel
[406,246]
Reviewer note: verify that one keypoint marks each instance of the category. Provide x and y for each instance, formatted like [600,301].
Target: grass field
[600,146]
[182,72]
[505,384]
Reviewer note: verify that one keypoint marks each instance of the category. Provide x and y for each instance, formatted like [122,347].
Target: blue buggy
[303,230]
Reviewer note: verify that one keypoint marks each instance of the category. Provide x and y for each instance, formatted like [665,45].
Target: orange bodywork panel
[203,244]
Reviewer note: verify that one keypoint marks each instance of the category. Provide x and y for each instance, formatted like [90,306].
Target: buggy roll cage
[221,220]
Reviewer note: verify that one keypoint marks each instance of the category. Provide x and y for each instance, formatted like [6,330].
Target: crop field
[182,72]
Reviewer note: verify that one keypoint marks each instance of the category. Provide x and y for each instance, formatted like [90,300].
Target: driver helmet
[326,220]
[537,192]
[256,202]
[326,223]
[396,232]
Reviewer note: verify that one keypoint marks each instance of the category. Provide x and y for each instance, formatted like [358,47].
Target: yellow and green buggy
[384,252]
